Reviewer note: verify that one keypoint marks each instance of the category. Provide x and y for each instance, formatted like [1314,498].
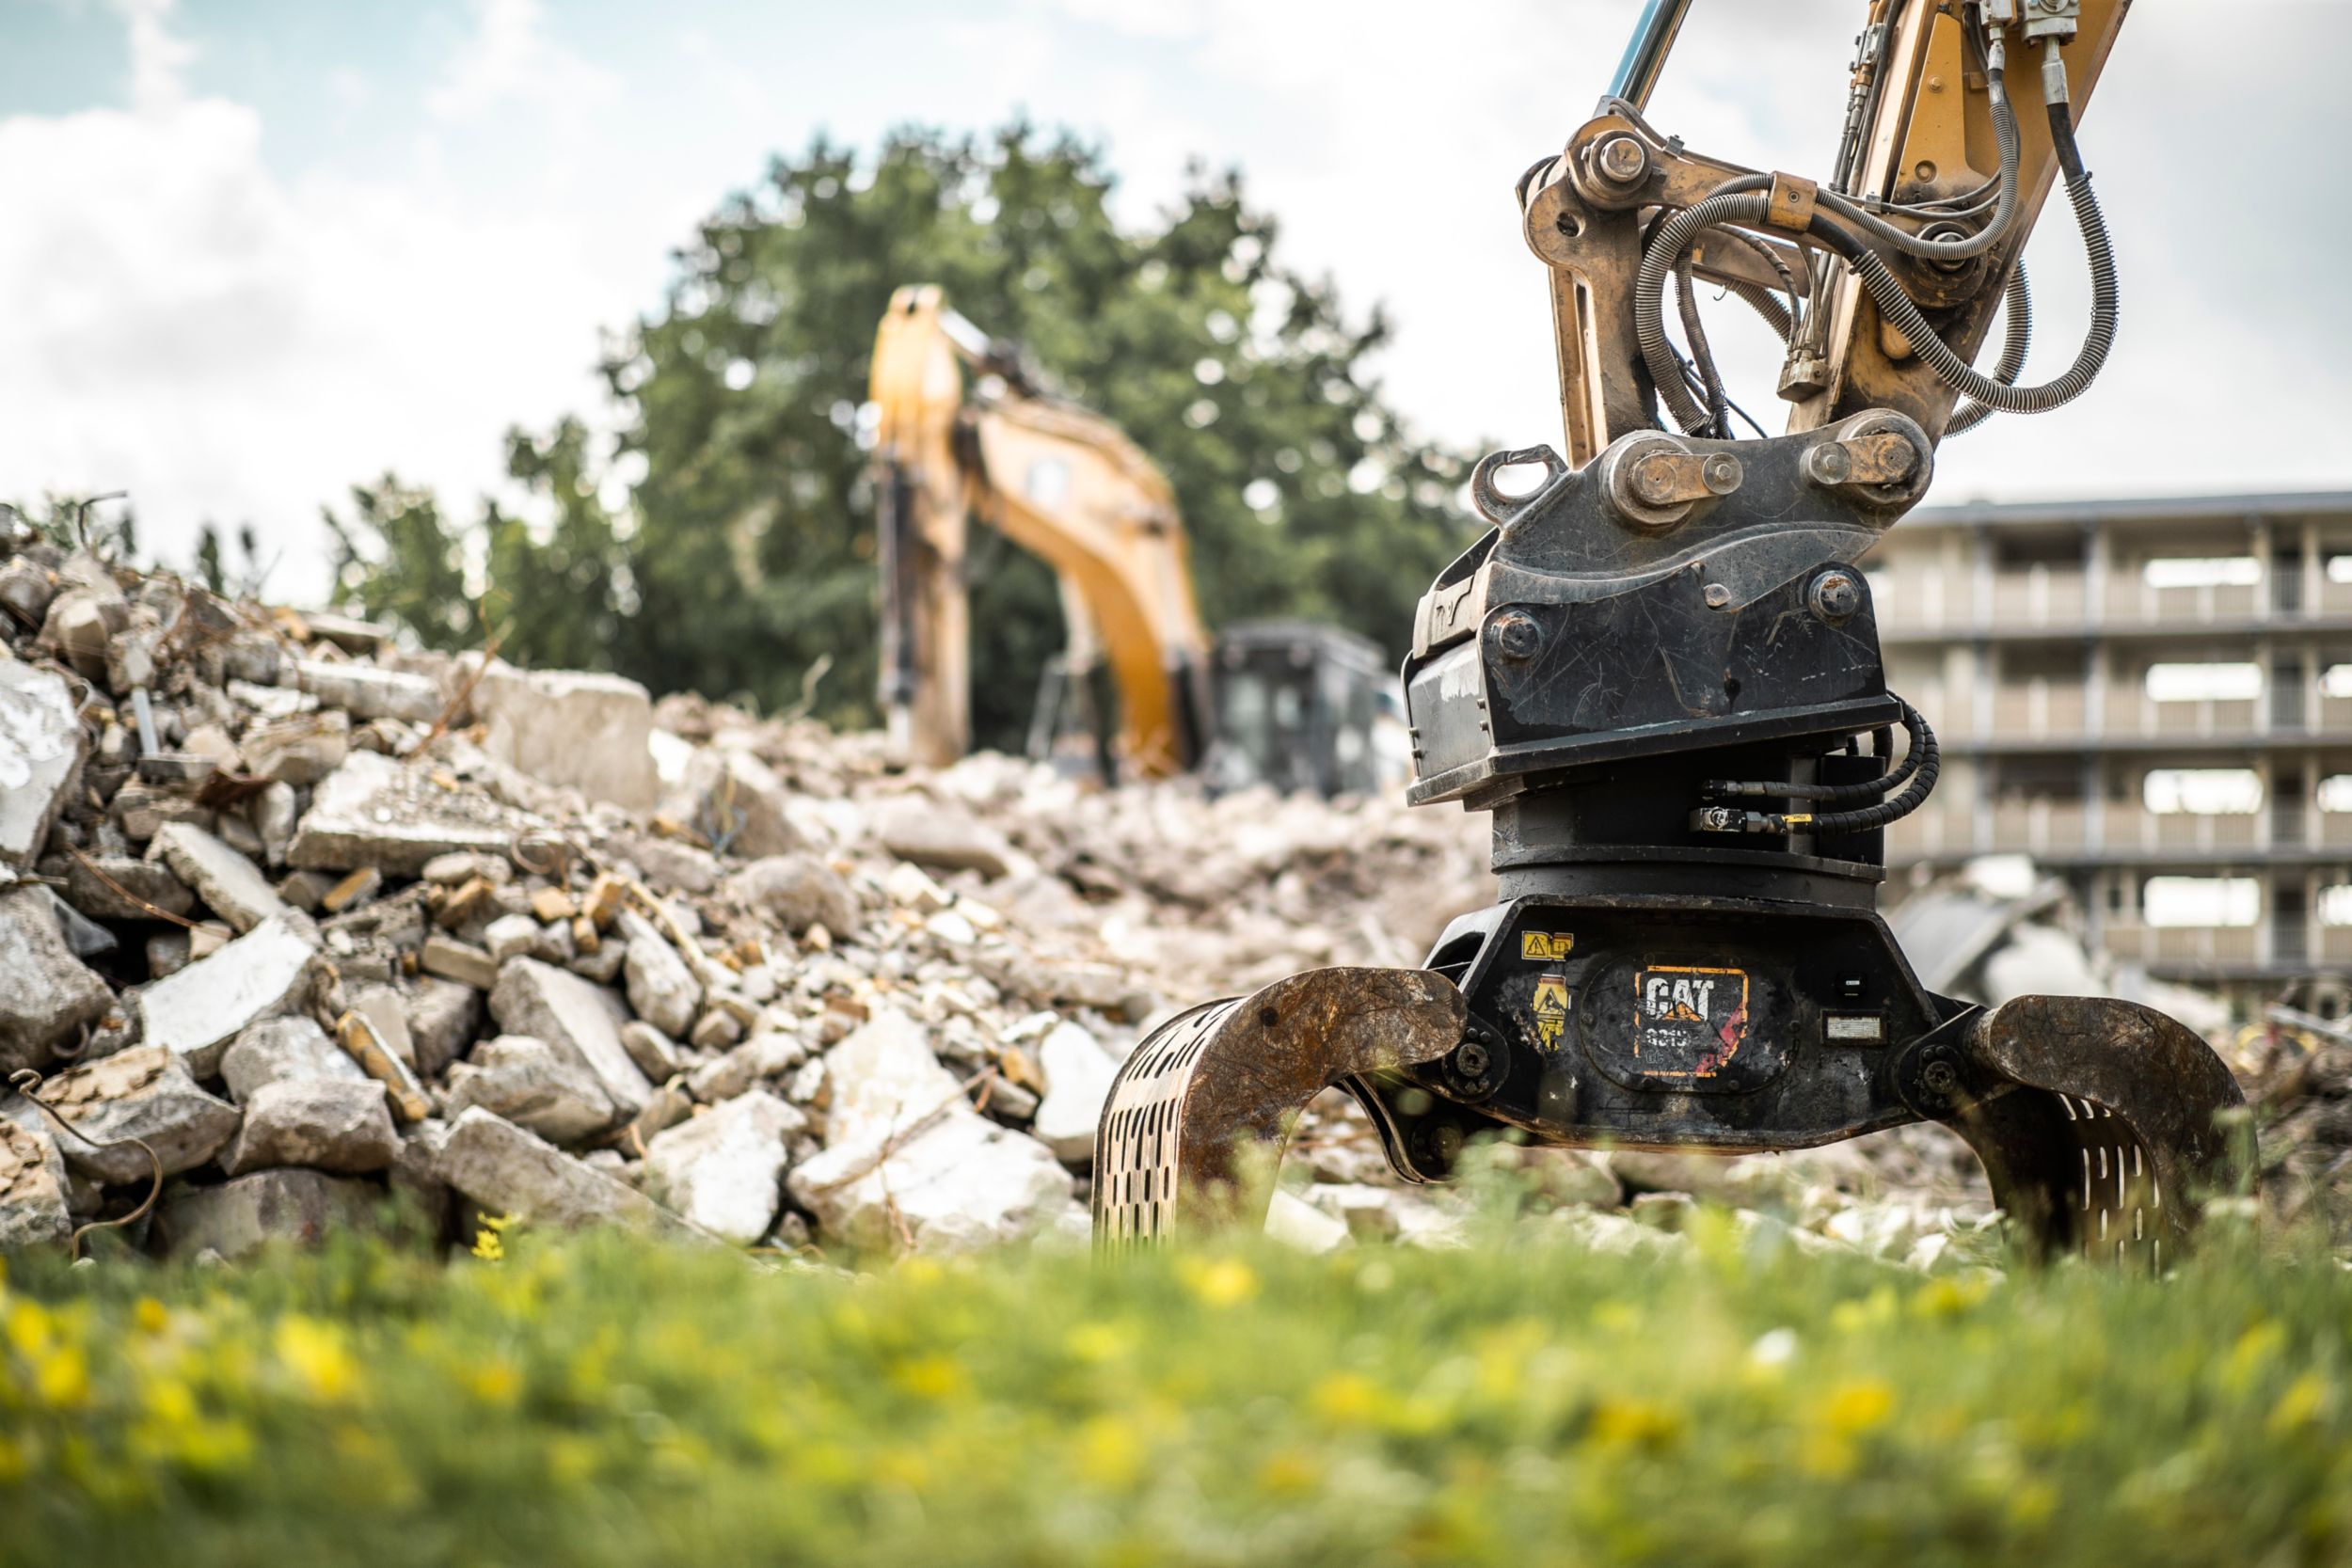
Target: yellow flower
[2300,1405]
[1095,1343]
[487,1244]
[1623,1423]
[61,1378]
[1289,1471]
[493,1381]
[1854,1408]
[1226,1282]
[1345,1399]
[313,1352]
[932,1377]
[151,1316]
[1110,1452]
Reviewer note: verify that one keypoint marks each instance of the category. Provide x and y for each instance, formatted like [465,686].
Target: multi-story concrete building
[2152,698]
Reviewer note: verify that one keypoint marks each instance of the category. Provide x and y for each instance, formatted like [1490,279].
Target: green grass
[600,1401]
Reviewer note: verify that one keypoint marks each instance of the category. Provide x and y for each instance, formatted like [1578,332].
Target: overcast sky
[254,250]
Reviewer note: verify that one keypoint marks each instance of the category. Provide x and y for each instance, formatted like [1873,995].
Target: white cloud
[228,345]
[510,60]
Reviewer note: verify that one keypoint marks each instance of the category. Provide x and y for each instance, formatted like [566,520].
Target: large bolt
[1835,595]
[1517,635]
[1940,1079]
[1470,1060]
[1654,479]
[1622,159]
[1720,473]
[1829,462]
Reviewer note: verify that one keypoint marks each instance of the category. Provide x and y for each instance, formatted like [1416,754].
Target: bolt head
[1835,595]
[1518,636]
[1829,464]
[1653,480]
[1940,1077]
[1721,473]
[1622,159]
[1717,595]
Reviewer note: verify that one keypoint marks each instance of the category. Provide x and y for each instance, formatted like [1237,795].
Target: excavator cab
[1658,674]
[1303,706]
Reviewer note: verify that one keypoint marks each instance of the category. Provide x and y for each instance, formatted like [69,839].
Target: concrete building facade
[2152,699]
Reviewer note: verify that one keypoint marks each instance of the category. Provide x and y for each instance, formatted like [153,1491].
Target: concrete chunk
[231,886]
[581,1020]
[46,993]
[508,1171]
[462,962]
[573,730]
[198,1011]
[662,987]
[722,1169]
[941,835]
[365,692]
[442,1017]
[144,1093]
[525,1080]
[236,1219]
[41,749]
[372,811]
[322,1123]
[115,887]
[736,800]
[281,1048]
[32,1188]
[1078,1075]
[797,892]
[298,750]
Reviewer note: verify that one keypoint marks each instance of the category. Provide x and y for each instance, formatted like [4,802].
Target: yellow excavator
[967,430]
[1659,672]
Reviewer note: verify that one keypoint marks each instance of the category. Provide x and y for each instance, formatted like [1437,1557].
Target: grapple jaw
[2102,1125]
[1199,1115]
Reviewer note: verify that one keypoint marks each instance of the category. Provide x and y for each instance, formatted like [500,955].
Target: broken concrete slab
[507,1170]
[365,692]
[736,801]
[238,1218]
[372,811]
[1078,1075]
[281,1048]
[42,750]
[198,1011]
[581,1020]
[941,834]
[298,750]
[723,1170]
[797,891]
[321,1123]
[442,1018]
[655,1052]
[144,1093]
[662,987]
[573,730]
[46,993]
[529,1084]
[231,886]
[118,887]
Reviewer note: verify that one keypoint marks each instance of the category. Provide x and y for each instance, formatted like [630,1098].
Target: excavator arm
[1060,483]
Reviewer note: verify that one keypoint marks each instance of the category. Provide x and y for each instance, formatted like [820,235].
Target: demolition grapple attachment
[1685,740]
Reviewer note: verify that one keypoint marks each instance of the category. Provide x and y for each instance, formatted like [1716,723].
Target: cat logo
[1688,1022]
[1546,946]
[1549,1008]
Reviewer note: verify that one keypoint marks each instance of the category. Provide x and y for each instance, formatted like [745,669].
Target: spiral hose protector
[1923,782]
[1867,789]
[1896,306]
[2017,312]
[2004,207]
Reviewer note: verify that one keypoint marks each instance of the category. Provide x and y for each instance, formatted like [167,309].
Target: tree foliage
[744,551]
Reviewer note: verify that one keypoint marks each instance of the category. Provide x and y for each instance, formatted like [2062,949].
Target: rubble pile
[2297,1067]
[309,915]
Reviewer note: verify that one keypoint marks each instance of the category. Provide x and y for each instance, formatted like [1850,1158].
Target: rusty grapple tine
[2100,1122]
[1216,1086]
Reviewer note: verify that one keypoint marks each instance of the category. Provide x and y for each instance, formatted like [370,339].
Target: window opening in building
[2335,905]
[2200,901]
[2237,681]
[2202,571]
[2205,791]
[2335,792]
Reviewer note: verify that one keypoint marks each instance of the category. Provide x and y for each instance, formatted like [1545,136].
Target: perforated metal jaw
[1199,1115]
[2102,1125]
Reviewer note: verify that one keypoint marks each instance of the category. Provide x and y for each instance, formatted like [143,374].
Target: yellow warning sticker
[1546,946]
[1550,1009]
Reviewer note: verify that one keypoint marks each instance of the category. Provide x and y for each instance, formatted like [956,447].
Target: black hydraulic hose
[1896,306]
[2017,312]
[2004,209]
[1921,769]
[1702,352]
[1740,201]
[1865,789]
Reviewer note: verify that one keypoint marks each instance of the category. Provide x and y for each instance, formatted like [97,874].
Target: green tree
[745,552]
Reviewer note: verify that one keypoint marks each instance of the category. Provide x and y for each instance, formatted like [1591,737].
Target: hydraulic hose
[1738,200]
[2017,315]
[1917,775]
[1865,789]
[2004,210]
